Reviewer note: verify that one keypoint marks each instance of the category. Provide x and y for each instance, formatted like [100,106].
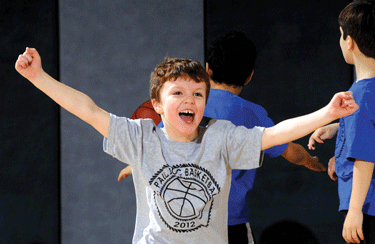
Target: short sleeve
[124,139]
[360,137]
[244,147]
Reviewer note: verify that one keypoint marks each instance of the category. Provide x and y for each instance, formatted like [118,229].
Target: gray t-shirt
[182,188]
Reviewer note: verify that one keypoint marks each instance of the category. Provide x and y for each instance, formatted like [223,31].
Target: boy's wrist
[38,77]
[328,115]
[355,210]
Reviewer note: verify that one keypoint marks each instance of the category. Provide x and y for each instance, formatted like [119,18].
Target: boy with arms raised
[353,165]
[182,172]
[230,66]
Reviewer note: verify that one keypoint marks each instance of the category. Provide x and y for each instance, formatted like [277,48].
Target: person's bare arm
[297,154]
[362,175]
[342,104]
[29,65]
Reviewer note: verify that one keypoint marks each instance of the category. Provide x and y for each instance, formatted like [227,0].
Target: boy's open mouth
[187,116]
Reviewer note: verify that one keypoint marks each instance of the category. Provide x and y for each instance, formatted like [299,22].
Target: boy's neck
[236,90]
[364,67]
[172,136]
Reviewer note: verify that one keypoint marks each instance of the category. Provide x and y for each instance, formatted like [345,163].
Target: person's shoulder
[246,104]
[364,92]
[216,124]
[254,110]
[142,124]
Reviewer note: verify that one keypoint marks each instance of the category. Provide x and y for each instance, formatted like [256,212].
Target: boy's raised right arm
[342,104]
[29,66]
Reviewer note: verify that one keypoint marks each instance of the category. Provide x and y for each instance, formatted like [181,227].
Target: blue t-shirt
[224,105]
[356,140]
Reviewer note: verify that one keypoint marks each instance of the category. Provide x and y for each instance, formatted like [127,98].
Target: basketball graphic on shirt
[184,196]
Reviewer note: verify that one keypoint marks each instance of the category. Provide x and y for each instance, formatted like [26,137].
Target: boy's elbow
[99,119]
[268,138]
[90,112]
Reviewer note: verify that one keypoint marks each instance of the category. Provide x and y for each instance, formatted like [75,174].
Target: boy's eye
[177,93]
[198,94]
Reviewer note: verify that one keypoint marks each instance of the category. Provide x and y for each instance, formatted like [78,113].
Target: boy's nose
[190,99]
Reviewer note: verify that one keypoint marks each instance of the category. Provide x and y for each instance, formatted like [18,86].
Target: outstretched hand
[125,173]
[321,134]
[29,64]
[341,105]
[315,165]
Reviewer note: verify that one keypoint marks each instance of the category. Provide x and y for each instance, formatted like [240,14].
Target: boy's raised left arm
[29,65]
[342,104]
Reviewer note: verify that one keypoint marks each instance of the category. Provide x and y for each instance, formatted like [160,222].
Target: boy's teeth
[187,116]
[187,112]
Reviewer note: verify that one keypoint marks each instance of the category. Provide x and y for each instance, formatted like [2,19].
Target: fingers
[348,103]
[28,57]
[122,176]
[316,165]
[348,100]
[30,51]
[311,144]
[124,173]
[332,175]
[345,95]
[315,137]
[342,105]
[360,235]
[25,59]
[352,229]
[348,94]
[353,236]
[320,167]
[331,169]
[21,62]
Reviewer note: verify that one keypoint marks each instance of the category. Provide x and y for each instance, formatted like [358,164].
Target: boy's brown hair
[358,21]
[173,68]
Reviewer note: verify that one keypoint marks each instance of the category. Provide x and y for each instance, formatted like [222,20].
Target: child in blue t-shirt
[353,165]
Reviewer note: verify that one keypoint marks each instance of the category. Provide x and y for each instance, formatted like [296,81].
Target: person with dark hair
[236,52]
[230,65]
[353,164]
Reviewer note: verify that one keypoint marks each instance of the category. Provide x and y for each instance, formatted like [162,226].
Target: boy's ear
[350,42]
[249,78]
[208,70]
[157,106]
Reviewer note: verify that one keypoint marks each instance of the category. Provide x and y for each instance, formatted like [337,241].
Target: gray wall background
[107,50]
